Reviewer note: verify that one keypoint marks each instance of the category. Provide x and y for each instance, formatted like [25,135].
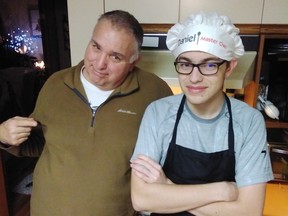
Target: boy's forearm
[249,203]
[167,198]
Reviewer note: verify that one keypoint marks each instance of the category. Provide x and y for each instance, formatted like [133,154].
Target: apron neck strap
[230,126]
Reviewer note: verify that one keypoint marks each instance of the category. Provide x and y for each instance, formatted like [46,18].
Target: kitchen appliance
[275,74]
[269,108]
[277,139]
[279,160]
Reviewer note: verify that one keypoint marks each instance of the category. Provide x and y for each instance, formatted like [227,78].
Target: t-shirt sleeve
[253,164]
[147,137]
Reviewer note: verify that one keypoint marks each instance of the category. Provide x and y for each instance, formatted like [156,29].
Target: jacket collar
[129,85]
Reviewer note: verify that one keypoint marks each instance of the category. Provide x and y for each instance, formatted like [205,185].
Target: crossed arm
[152,191]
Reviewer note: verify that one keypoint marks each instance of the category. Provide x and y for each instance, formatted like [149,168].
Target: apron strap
[179,113]
[230,127]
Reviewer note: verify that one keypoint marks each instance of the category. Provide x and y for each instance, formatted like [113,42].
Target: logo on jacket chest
[127,112]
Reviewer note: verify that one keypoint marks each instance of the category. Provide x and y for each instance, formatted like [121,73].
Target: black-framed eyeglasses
[206,68]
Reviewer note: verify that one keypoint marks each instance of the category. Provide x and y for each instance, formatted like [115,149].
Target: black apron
[188,166]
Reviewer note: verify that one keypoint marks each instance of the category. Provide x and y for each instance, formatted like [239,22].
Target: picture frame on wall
[34,20]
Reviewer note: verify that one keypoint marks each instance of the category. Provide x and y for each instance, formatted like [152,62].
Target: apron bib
[188,166]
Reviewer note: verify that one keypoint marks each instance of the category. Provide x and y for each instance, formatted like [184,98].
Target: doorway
[55,34]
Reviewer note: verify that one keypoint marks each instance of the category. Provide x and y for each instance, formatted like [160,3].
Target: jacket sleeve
[34,145]
[30,148]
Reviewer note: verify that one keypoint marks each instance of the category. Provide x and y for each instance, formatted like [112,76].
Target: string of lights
[20,41]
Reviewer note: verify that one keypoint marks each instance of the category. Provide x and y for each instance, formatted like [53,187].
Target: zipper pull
[94,110]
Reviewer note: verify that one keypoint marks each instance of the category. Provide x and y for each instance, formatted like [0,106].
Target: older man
[90,115]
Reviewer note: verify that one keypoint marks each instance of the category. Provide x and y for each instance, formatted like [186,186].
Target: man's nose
[102,60]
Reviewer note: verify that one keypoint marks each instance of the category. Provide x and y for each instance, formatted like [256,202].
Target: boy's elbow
[140,195]
[137,202]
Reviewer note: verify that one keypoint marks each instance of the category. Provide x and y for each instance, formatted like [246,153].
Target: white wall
[82,19]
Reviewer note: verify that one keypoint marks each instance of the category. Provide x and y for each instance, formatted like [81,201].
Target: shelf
[270,123]
[274,123]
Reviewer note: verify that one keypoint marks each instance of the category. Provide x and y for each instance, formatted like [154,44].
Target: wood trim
[156,28]
[259,58]
[274,29]
[270,123]
[3,195]
[250,94]
[251,29]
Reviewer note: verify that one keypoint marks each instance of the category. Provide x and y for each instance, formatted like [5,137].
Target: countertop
[276,203]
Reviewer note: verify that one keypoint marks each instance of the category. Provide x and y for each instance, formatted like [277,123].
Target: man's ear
[135,62]
[230,67]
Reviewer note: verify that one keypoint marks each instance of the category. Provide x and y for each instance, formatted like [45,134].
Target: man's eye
[115,58]
[96,46]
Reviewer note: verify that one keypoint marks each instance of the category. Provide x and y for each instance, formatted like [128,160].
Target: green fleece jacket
[84,168]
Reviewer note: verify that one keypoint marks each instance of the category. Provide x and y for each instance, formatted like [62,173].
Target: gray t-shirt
[251,151]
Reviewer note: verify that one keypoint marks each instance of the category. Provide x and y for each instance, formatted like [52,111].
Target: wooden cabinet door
[275,12]
[240,12]
[148,11]
[3,195]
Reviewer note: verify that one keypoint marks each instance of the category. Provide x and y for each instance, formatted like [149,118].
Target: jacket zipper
[86,102]
[94,110]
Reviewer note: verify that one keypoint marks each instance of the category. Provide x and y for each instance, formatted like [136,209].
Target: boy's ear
[231,66]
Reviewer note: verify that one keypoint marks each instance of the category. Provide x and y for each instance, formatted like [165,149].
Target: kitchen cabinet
[267,69]
[275,12]
[148,11]
[245,11]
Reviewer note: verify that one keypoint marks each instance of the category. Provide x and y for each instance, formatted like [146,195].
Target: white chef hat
[207,32]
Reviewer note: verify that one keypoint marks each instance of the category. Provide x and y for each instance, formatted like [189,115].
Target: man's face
[107,56]
[200,89]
